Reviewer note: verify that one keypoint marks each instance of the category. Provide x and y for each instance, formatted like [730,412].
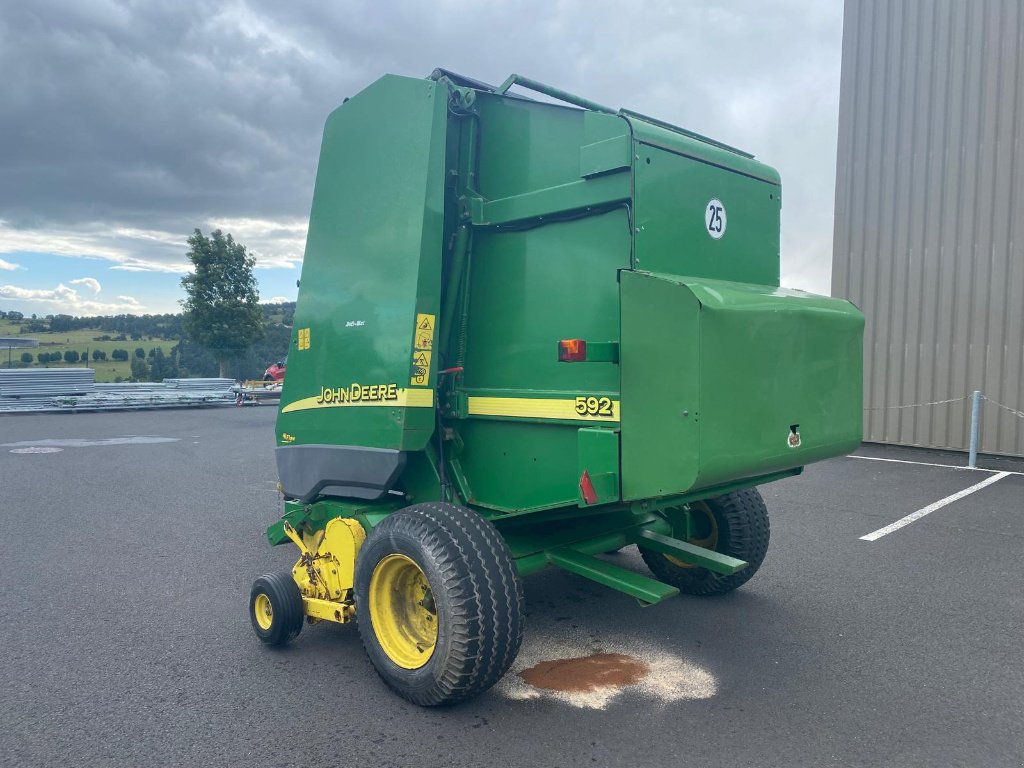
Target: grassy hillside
[161,334]
[81,340]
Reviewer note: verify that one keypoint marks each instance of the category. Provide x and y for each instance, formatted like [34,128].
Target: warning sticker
[303,338]
[425,331]
[424,339]
[420,368]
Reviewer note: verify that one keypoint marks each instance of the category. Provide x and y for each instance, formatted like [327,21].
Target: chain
[917,405]
[1014,411]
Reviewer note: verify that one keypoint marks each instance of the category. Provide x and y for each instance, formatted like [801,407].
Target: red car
[276,371]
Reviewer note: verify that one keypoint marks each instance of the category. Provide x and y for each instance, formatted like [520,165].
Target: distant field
[81,341]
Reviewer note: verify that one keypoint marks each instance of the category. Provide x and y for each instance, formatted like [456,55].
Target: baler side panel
[724,381]
[372,266]
[779,358]
[530,289]
[672,194]
[526,147]
[659,357]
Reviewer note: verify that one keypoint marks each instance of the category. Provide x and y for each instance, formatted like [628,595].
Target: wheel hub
[264,611]
[402,611]
[705,531]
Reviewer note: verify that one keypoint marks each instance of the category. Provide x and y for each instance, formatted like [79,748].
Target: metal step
[646,590]
[688,553]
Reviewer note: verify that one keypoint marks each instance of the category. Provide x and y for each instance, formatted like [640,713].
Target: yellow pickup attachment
[326,567]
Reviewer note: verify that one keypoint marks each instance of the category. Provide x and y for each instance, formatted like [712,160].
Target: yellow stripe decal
[572,409]
[404,398]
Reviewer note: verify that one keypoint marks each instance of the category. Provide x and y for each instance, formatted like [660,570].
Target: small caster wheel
[275,608]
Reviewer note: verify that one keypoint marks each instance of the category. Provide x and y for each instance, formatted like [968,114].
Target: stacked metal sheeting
[122,396]
[41,382]
[25,403]
[54,390]
[206,384]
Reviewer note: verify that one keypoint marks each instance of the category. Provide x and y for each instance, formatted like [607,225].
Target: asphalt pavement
[130,541]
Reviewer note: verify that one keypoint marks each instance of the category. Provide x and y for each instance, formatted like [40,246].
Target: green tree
[61,323]
[26,357]
[140,370]
[70,356]
[99,354]
[222,309]
[43,357]
[163,366]
[140,352]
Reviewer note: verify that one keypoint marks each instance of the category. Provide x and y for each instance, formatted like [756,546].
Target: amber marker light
[572,351]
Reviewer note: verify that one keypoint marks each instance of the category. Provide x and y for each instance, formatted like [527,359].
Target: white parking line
[929,464]
[875,535]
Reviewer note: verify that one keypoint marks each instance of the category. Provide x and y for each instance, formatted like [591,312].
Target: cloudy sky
[125,125]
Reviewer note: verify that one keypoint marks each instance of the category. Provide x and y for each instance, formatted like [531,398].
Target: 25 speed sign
[715,219]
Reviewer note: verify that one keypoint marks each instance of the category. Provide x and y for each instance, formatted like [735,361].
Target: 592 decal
[594,406]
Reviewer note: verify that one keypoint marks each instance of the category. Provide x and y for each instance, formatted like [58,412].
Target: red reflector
[572,351]
[587,489]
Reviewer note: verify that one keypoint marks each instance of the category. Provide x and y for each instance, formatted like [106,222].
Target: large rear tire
[439,603]
[735,524]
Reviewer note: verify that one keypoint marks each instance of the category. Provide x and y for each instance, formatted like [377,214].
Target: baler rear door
[723,381]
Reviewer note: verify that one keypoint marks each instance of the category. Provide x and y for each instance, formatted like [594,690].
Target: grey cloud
[165,116]
[147,115]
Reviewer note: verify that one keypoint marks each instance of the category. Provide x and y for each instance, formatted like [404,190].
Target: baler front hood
[723,381]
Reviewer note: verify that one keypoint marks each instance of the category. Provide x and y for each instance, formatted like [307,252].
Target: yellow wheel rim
[264,611]
[705,529]
[402,611]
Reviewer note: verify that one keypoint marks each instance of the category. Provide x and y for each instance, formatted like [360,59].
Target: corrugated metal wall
[929,227]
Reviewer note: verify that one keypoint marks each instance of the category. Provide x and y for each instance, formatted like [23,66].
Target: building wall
[929,226]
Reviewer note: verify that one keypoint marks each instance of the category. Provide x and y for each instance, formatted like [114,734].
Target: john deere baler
[528,334]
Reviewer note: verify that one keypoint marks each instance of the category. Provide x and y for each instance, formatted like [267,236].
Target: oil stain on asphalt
[592,676]
[586,673]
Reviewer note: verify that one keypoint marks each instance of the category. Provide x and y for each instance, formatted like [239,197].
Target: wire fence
[975,399]
[1013,411]
[917,405]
